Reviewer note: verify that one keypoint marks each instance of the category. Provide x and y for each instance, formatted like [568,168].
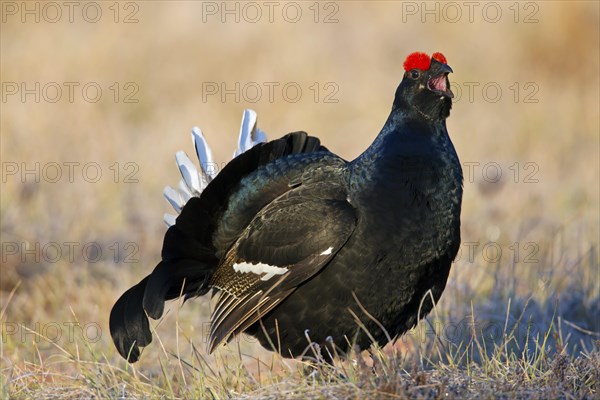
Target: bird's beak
[439,82]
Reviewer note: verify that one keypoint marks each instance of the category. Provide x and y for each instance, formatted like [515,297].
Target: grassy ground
[520,315]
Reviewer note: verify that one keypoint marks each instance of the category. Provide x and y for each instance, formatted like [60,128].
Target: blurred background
[98,97]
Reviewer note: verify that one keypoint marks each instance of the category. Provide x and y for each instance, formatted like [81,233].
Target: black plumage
[298,243]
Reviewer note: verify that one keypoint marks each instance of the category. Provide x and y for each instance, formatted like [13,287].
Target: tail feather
[186,268]
[169,280]
[259,136]
[169,219]
[204,154]
[189,173]
[186,265]
[247,129]
[174,198]
[128,323]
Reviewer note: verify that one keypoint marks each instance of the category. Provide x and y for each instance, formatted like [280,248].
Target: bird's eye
[415,73]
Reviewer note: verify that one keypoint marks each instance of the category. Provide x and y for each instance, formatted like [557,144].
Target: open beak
[440,83]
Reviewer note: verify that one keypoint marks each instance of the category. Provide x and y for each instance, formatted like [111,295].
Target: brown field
[97,98]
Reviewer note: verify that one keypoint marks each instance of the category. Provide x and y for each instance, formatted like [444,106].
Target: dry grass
[523,324]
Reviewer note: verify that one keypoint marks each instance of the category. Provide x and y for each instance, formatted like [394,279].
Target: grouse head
[425,88]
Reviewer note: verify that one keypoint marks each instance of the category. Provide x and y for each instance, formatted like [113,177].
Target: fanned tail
[193,181]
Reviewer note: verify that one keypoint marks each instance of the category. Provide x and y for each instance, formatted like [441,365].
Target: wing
[286,243]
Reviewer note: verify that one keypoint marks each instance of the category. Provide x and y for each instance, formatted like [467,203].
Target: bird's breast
[410,205]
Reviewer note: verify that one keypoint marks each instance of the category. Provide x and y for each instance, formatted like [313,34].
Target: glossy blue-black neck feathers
[417,119]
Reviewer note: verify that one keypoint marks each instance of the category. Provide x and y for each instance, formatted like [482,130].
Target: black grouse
[302,246]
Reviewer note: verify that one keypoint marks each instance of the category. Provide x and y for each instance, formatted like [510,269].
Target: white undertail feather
[189,173]
[204,154]
[169,219]
[174,197]
[246,128]
[184,191]
[193,181]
